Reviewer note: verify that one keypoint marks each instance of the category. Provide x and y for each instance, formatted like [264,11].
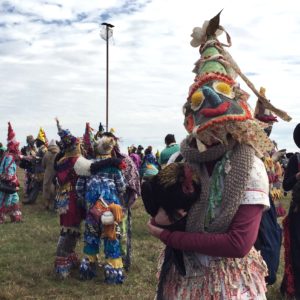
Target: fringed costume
[102,194]
[9,202]
[224,148]
[71,214]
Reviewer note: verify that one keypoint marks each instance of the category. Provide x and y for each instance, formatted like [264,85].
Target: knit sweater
[167,152]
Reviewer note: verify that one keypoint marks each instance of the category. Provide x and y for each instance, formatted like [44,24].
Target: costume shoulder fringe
[82,166]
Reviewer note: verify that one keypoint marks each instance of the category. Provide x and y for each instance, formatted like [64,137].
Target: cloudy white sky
[53,63]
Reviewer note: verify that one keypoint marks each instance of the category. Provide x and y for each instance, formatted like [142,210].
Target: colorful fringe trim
[223,279]
[112,275]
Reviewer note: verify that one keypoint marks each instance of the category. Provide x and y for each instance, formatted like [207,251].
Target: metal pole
[108,27]
[107,66]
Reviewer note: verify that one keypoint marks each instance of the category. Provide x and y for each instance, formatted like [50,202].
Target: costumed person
[134,156]
[49,189]
[290,285]
[66,202]
[9,183]
[102,194]
[270,234]
[133,191]
[41,143]
[223,148]
[149,166]
[271,159]
[171,148]
[26,163]
[139,151]
[88,140]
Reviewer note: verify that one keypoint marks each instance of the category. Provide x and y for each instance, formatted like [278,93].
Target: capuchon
[216,106]
[42,136]
[12,143]
[68,141]
[88,140]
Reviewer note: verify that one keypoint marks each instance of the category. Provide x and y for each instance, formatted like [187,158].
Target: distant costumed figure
[29,153]
[37,168]
[270,234]
[271,159]
[49,189]
[101,187]
[149,166]
[66,202]
[223,151]
[9,198]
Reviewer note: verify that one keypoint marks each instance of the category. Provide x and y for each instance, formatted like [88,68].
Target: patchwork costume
[29,153]
[102,194]
[66,203]
[9,202]
[224,147]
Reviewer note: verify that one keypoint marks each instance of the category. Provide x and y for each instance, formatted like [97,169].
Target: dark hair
[170,198]
[169,139]
[148,150]
[296,135]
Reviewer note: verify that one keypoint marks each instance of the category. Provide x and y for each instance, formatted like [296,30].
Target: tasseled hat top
[216,105]
[88,140]
[261,112]
[42,136]
[67,139]
[12,143]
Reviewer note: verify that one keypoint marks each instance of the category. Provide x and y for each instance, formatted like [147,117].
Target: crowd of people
[213,199]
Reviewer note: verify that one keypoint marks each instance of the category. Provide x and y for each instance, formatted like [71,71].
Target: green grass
[27,252]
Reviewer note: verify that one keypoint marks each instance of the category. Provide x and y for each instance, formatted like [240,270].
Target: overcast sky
[53,63]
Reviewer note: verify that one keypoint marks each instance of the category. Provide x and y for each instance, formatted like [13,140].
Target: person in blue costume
[9,200]
[102,191]
[150,166]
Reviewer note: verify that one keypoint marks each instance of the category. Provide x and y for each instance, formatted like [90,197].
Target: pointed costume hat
[67,139]
[12,143]
[216,106]
[88,140]
[42,136]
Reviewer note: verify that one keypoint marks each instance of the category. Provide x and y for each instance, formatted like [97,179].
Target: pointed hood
[12,143]
[88,140]
[42,136]
[216,105]
[68,140]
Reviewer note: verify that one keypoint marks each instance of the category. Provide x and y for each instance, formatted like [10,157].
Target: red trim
[9,209]
[246,116]
[204,78]
[216,111]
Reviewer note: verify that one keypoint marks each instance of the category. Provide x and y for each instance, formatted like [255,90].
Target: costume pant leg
[34,192]
[66,257]
[15,214]
[91,248]
[114,264]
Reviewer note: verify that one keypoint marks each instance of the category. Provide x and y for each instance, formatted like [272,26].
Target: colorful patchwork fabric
[8,170]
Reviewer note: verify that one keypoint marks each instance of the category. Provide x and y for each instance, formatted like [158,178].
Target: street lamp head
[108,25]
[106,31]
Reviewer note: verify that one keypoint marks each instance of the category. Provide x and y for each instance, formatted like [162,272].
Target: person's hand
[298,176]
[154,230]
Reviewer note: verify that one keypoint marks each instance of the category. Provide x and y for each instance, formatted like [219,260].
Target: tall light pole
[106,33]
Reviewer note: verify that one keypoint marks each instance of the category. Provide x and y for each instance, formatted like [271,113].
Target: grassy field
[27,252]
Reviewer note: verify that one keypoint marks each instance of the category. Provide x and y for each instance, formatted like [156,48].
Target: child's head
[174,188]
